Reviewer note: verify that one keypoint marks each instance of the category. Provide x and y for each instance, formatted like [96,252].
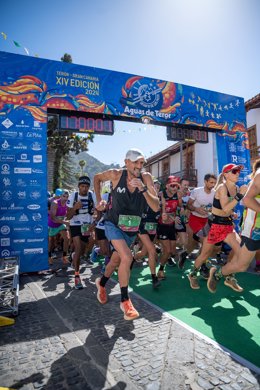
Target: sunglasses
[235,171]
[173,186]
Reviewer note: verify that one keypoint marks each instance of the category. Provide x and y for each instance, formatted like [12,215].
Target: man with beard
[132,189]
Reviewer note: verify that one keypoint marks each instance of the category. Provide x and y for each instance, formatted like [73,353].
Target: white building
[194,160]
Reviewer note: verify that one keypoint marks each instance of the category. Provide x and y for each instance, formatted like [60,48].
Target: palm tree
[82,163]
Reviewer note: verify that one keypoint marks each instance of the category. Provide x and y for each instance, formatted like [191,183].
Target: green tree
[82,164]
[64,142]
[66,58]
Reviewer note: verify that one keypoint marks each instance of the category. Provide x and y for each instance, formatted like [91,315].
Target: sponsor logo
[35,183]
[23,218]
[37,170]
[9,134]
[22,170]
[21,194]
[22,229]
[5,253]
[36,146]
[5,229]
[22,124]
[20,146]
[5,145]
[7,195]
[5,241]
[32,251]
[33,206]
[37,158]
[19,241]
[6,181]
[32,134]
[7,157]
[121,190]
[35,195]
[38,229]
[21,183]
[23,158]
[5,169]
[12,207]
[5,218]
[7,123]
[36,217]
[36,124]
[35,239]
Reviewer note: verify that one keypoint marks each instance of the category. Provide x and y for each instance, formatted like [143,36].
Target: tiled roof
[253,103]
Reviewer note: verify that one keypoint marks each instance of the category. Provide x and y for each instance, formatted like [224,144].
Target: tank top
[60,212]
[171,204]
[125,205]
[216,202]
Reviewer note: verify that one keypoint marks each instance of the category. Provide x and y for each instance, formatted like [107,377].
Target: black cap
[84,180]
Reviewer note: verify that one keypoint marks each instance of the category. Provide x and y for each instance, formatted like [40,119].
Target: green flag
[16,44]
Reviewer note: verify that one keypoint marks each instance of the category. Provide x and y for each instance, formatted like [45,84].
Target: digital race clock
[182,133]
[87,124]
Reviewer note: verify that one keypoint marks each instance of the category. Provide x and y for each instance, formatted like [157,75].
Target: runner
[132,189]
[250,234]
[147,234]
[80,213]
[199,204]
[170,201]
[226,197]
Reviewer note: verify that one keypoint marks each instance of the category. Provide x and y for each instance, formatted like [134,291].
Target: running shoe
[101,293]
[171,262]
[161,275]
[204,271]
[212,280]
[130,313]
[182,257]
[231,282]
[156,282]
[193,282]
[78,284]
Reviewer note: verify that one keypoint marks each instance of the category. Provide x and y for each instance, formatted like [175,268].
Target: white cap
[134,155]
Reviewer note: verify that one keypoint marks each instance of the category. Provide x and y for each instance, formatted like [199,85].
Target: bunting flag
[17,44]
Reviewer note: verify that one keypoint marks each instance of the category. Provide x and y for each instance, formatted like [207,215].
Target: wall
[253,118]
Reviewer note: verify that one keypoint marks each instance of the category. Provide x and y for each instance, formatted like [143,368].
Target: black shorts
[166,232]
[75,231]
[251,245]
[100,234]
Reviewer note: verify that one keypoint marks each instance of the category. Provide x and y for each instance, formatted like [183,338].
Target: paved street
[64,339]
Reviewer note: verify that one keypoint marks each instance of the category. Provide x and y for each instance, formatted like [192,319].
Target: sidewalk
[64,339]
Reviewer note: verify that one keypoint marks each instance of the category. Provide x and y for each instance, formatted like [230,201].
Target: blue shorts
[114,233]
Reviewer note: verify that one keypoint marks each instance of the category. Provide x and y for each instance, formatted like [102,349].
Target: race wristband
[238,197]
[144,189]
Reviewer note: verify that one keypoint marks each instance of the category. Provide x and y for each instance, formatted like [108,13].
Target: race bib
[129,223]
[85,229]
[150,227]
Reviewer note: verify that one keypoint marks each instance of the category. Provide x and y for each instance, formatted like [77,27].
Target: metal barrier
[9,285]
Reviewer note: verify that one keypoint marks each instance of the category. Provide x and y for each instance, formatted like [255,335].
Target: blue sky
[211,44]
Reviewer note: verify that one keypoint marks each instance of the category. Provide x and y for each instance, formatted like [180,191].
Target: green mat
[227,317]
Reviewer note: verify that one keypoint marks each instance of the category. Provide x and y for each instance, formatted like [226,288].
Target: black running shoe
[204,271]
[182,257]
[156,283]
[171,262]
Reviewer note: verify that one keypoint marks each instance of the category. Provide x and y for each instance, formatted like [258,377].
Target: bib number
[150,227]
[85,229]
[129,223]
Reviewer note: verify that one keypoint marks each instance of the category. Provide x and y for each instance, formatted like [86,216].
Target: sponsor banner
[100,91]
[23,189]
[233,148]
